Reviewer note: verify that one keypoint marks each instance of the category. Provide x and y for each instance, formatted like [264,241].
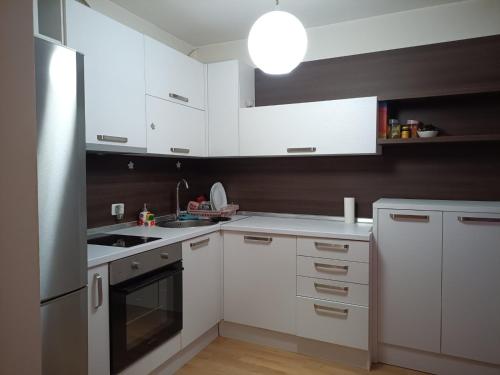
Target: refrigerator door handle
[98,279]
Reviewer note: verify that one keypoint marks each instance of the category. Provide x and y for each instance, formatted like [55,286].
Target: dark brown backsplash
[306,185]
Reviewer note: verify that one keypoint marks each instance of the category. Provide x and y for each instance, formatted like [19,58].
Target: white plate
[218,196]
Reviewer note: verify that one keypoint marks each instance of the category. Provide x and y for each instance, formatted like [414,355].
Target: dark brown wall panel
[461,67]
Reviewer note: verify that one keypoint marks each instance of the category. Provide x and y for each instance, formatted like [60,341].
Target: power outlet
[118,209]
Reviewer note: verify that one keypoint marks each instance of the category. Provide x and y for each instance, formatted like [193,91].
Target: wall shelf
[442,139]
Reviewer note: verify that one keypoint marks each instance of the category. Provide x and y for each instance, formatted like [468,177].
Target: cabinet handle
[164,255]
[177,150]
[111,138]
[479,220]
[195,245]
[330,310]
[400,217]
[255,239]
[333,288]
[178,97]
[153,126]
[98,280]
[331,246]
[331,267]
[300,149]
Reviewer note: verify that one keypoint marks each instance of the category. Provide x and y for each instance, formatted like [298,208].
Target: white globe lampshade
[277,42]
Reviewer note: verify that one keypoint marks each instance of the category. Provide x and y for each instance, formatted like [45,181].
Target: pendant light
[277,42]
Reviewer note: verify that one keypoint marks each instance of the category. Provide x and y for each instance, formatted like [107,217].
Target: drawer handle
[300,149]
[332,288]
[255,239]
[178,97]
[195,245]
[330,310]
[479,220]
[98,280]
[111,138]
[332,267]
[164,255]
[401,217]
[177,150]
[331,246]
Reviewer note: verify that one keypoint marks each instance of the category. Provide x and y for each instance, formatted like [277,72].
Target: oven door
[144,313]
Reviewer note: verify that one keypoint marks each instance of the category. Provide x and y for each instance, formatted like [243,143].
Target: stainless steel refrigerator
[61,208]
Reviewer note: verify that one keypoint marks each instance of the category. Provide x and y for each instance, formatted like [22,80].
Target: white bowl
[427,133]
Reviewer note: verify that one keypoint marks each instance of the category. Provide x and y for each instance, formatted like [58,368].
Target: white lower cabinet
[98,321]
[410,260]
[471,286]
[336,323]
[259,280]
[201,258]
[175,129]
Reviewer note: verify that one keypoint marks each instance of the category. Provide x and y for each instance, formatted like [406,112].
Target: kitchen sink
[185,223]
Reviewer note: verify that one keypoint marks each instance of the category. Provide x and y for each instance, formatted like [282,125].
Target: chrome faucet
[178,211]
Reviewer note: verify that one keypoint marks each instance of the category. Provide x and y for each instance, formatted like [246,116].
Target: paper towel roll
[349,210]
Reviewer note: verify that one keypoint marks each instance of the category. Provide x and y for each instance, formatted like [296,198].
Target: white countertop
[98,254]
[301,227]
[438,205]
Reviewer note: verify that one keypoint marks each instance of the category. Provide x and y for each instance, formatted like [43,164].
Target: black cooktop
[120,240]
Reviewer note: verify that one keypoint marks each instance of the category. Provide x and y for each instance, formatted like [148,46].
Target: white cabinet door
[334,127]
[98,321]
[471,286]
[259,281]
[175,129]
[410,258]
[114,78]
[174,76]
[202,289]
[231,86]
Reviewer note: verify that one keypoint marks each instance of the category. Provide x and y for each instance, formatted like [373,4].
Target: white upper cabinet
[471,286]
[114,79]
[334,127]
[174,76]
[231,86]
[175,129]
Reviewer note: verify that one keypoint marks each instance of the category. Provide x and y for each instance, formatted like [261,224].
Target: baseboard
[291,343]
[185,355]
[434,363]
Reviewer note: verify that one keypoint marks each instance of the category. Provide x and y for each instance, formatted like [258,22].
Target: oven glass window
[148,311]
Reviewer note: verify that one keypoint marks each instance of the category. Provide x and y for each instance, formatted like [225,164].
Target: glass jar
[405,132]
[413,126]
[394,129]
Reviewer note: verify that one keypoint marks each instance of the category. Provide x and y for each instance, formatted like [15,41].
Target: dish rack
[227,211]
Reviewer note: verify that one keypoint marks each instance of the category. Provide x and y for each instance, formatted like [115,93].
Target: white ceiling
[202,22]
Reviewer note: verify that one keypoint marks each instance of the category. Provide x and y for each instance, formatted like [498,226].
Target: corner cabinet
[98,320]
[202,285]
[231,86]
[114,79]
[259,280]
[334,127]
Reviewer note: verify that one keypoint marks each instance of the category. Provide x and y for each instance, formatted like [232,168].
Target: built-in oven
[145,298]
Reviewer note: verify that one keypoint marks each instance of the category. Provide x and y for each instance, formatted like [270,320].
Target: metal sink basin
[184,223]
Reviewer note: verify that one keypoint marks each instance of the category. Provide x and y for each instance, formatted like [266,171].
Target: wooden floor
[232,357]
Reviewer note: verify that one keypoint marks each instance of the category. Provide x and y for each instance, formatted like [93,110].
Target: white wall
[129,19]
[20,349]
[463,20]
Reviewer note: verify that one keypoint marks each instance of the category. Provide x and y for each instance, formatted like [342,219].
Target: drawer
[337,291]
[357,251]
[336,323]
[339,270]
